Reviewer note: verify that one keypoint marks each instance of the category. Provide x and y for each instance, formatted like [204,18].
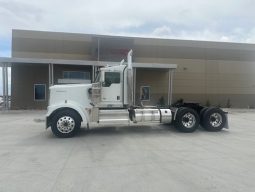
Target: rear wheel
[65,123]
[187,120]
[214,119]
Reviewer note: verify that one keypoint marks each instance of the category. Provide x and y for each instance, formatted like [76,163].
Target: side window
[145,93]
[39,92]
[111,77]
[76,75]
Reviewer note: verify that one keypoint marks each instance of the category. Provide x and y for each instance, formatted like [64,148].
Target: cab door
[111,89]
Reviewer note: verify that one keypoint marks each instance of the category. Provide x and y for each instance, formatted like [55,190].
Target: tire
[65,123]
[214,119]
[187,120]
[201,114]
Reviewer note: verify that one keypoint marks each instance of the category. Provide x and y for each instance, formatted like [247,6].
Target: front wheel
[187,120]
[65,123]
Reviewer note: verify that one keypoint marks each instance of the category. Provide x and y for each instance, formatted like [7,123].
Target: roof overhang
[13,60]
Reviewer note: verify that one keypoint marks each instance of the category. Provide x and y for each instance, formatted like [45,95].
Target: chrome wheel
[215,120]
[189,120]
[65,124]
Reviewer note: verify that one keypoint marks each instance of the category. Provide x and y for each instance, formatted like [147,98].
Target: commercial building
[216,73]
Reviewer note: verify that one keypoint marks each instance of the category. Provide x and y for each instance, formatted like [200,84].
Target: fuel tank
[153,115]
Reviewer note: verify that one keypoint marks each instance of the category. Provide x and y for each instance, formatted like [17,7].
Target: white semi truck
[109,101]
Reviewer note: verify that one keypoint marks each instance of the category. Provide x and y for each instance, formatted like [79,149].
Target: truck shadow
[128,130]
[110,130]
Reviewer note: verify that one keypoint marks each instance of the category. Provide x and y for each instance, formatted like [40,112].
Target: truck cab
[111,82]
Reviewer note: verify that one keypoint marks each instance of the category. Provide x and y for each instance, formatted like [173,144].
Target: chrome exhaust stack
[130,85]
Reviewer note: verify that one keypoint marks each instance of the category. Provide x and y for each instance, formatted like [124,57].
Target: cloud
[162,31]
[18,14]
[251,36]
[212,20]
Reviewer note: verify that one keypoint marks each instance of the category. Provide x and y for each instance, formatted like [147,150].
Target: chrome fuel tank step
[114,116]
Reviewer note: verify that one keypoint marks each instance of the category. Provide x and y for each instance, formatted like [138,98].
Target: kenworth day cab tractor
[109,101]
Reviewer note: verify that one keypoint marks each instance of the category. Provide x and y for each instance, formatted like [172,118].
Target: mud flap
[226,124]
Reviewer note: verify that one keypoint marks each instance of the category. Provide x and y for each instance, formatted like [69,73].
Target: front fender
[53,108]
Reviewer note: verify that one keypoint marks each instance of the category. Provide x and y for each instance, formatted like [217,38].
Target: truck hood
[78,93]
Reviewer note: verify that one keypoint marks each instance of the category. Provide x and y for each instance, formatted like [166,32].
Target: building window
[40,92]
[145,93]
[111,77]
[76,75]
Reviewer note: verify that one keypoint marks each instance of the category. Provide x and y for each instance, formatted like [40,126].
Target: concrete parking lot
[148,158]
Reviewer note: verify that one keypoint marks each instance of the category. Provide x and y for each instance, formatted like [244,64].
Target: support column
[3,81]
[5,86]
[51,74]
[170,87]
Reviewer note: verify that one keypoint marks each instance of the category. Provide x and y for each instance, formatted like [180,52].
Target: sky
[210,20]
